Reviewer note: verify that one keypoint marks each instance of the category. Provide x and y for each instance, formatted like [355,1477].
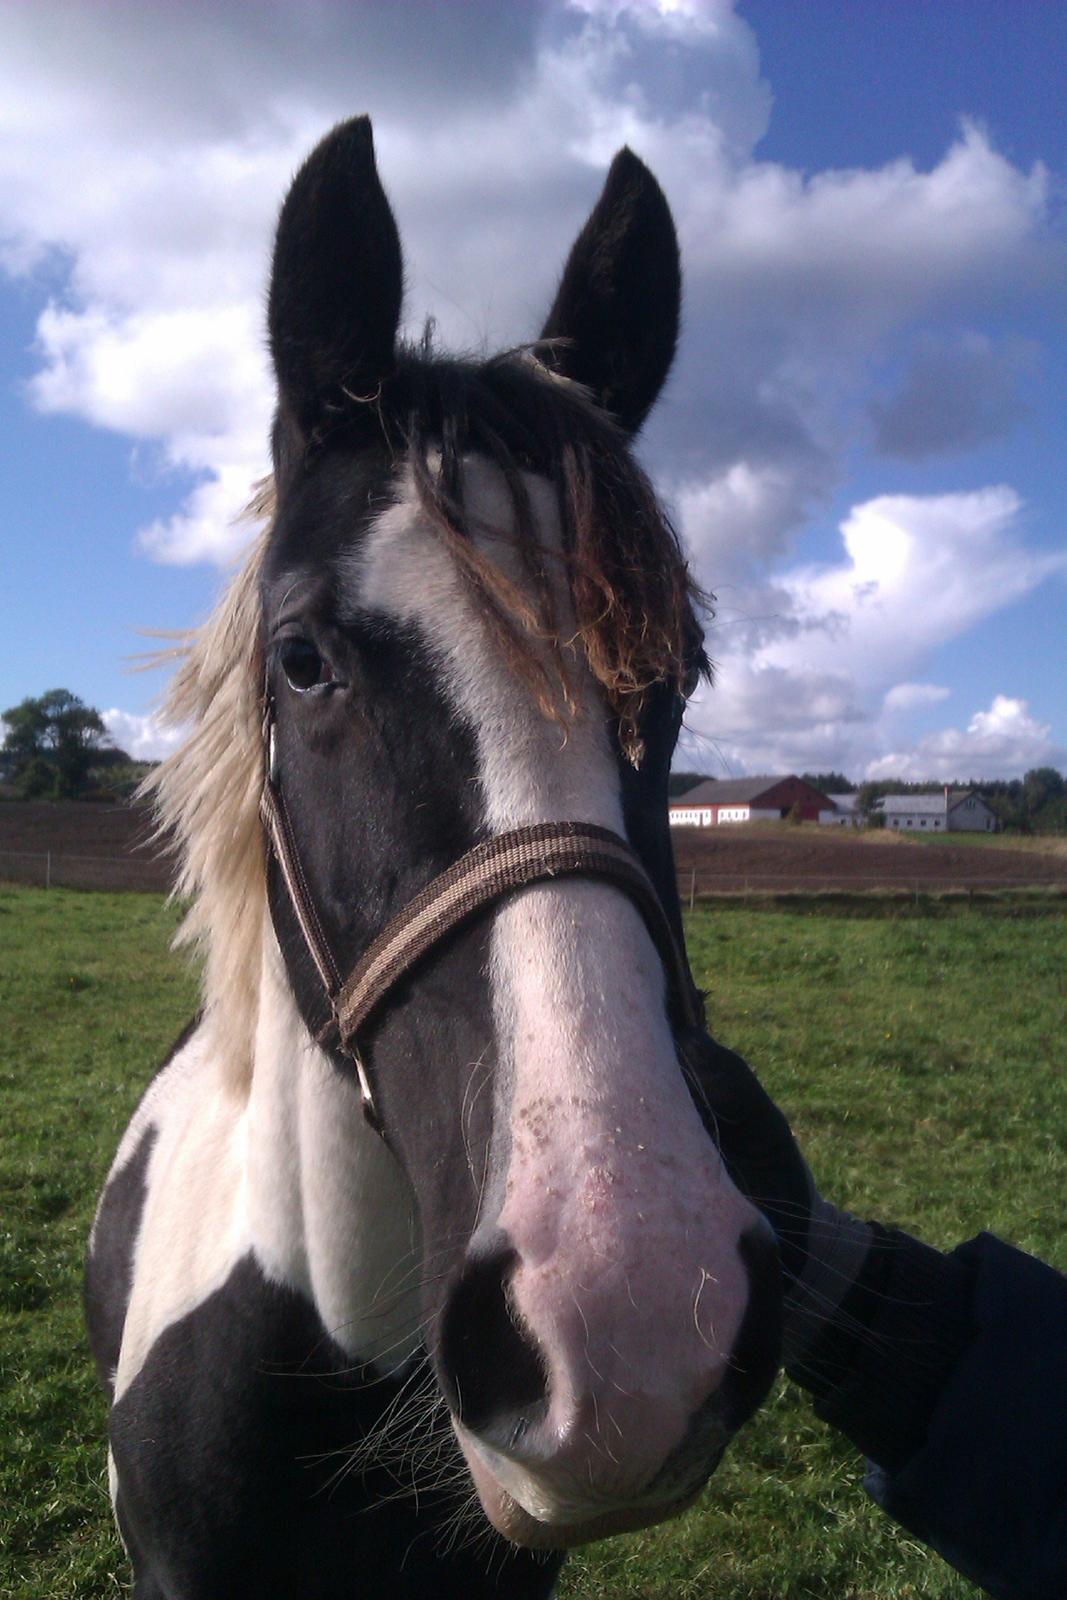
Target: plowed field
[761,857]
[92,846]
[82,845]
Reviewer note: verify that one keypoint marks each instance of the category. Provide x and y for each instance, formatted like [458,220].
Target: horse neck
[330,1211]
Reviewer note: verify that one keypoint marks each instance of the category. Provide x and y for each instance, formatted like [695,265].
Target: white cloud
[820,661]
[918,570]
[683,19]
[144,737]
[167,143]
[893,238]
[151,187]
[1001,742]
[906,696]
[739,521]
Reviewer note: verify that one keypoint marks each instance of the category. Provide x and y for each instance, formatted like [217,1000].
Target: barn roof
[700,795]
[958,796]
[728,791]
[916,805]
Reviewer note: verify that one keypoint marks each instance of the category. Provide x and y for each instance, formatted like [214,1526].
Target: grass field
[917,1050]
[1038,844]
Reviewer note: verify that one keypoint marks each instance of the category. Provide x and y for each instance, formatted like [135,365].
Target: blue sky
[863,437]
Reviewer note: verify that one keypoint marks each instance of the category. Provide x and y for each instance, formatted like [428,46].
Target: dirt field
[106,847]
[762,857]
[81,845]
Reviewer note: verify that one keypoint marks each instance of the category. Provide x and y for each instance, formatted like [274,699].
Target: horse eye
[304,668]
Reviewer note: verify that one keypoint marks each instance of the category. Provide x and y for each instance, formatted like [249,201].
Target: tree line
[57,748]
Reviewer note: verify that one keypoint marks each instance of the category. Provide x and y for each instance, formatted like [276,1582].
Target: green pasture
[918,1051]
[1037,844]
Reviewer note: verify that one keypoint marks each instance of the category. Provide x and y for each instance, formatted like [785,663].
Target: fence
[701,883]
[53,869]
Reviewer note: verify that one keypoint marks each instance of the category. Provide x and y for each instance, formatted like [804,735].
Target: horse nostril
[491,1370]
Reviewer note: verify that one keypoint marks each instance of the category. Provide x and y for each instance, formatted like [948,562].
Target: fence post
[48,869]
[692,888]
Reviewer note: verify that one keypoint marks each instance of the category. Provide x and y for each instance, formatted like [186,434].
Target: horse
[416,1265]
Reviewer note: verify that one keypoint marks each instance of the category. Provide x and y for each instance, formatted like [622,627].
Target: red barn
[719,800]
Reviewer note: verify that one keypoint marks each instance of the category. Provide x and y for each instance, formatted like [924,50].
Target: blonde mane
[206,802]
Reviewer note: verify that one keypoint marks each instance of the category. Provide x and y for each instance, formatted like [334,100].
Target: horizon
[954,785]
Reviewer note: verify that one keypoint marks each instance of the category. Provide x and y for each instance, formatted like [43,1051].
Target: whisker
[712,1345]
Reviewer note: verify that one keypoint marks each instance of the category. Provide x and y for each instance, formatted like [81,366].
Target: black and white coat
[539,1300]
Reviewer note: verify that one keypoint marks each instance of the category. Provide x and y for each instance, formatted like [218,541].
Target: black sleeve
[958,1395]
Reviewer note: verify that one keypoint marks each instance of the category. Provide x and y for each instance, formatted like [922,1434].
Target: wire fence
[54,869]
[698,883]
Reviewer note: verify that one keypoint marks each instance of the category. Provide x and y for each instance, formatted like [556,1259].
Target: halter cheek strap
[492,870]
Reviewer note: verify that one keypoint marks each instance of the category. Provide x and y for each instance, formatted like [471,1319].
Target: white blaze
[625,1226]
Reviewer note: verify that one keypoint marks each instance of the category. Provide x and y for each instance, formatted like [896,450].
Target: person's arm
[949,1372]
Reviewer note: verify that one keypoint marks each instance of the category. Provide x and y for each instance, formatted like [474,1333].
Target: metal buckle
[272,756]
[366,1098]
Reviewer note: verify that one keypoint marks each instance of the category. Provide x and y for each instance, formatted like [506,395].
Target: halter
[499,866]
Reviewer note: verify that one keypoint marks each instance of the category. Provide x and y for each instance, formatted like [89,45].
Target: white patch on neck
[193,1226]
[333,1213]
[290,1172]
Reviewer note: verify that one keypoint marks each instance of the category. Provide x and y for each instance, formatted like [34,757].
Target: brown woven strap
[510,861]
[280,833]
[537,853]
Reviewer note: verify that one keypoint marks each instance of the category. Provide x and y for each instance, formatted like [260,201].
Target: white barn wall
[737,814]
[927,823]
[972,815]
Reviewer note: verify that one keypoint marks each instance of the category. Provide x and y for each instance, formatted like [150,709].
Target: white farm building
[951,811]
[843,812]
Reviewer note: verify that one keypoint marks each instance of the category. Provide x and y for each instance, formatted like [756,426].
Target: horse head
[476,618]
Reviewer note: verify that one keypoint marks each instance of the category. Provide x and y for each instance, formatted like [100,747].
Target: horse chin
[522,1528]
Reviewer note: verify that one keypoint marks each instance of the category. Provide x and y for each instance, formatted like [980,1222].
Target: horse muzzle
[562,1453]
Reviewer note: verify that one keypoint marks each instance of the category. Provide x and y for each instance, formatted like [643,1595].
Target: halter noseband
[536,853]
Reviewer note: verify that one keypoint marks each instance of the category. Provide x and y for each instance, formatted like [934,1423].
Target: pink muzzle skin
[627,1282]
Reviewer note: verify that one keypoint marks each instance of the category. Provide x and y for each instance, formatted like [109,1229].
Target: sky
[862,441]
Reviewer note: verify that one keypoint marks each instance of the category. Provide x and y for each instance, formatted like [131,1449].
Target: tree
[872,791]
[51,743]
[1040,786]
[680,782]
[828,782]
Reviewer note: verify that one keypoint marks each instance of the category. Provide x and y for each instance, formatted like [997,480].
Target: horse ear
[619,299]
[337,278]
